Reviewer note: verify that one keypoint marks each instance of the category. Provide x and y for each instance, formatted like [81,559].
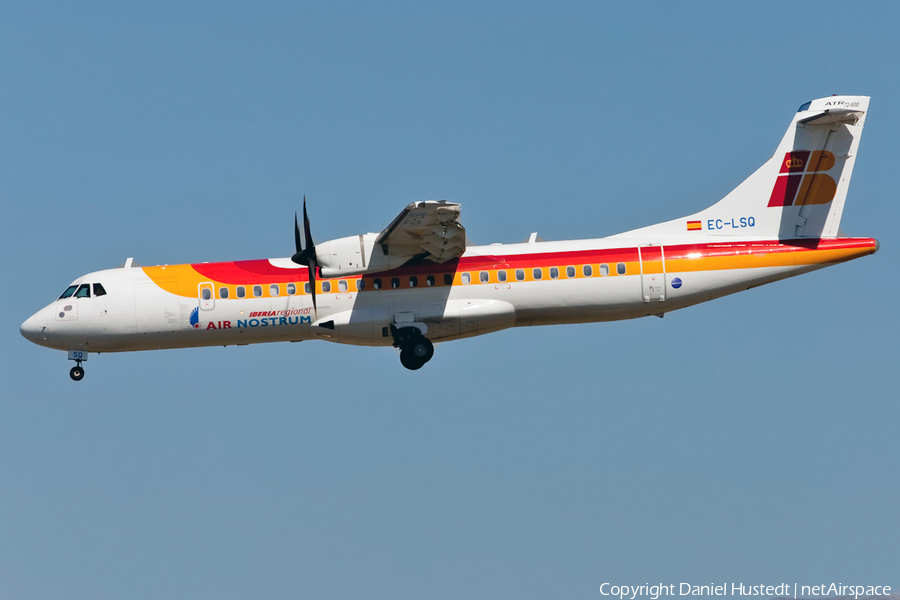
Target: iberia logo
[195,318]
[794,188]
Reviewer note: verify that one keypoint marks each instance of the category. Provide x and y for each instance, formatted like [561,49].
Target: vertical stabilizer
[798,193]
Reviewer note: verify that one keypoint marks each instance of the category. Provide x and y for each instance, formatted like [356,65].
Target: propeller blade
[299,256]
[312,286]
[307,255]
[310,244]
[298,243]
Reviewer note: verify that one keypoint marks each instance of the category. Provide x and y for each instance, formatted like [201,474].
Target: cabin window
[342,285]
[98,290]
[395,282]
[360,284]
[274,290]
[466,278]
[429,281]
[520,275]
[223,293]
[257,290]
[537,273]
[604,270]
[69,291]
[240,291]
[206,294]
[484,277]
[376,284]
[501,275]
[84,291]
[413,281]
[570,272]
[620,268]
[587,270]
[554,273]
[448,278]
[291,289]
[326,287]
[306,288]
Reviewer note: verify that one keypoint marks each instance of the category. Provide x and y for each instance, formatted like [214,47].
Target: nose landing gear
[77,372]
[415,348]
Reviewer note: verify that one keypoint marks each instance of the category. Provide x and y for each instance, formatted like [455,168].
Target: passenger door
[653,273]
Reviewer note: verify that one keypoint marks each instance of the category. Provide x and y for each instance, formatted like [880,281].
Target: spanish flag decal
[694,226]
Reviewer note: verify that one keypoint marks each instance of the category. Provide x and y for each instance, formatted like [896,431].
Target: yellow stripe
[183,280]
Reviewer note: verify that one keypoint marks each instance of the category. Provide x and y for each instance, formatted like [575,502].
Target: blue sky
[751,438]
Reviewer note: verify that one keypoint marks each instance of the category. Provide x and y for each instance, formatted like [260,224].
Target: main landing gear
[415,348]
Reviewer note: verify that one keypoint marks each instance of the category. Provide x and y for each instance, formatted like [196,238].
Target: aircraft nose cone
[34,329]
[29,329]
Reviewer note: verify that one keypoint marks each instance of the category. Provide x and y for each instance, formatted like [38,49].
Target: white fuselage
[493,287]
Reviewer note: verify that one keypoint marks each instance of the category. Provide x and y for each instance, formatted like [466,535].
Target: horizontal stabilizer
[830,117]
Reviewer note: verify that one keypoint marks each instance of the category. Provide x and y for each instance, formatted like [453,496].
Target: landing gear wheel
[77,373]
[416,353]
[409,360]
[423,349]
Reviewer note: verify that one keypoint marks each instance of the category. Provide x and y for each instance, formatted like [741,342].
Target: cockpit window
[84,291]
[804,107]
[98,290]
[69,291]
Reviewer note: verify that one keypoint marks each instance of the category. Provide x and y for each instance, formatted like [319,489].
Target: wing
[431,228]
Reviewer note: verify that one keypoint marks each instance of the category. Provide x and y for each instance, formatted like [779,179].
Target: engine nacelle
[355,255]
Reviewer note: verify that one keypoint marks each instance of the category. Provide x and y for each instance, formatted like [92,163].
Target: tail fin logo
[794,164]
[793,188]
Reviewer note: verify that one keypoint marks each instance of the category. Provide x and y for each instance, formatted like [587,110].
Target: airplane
[418,281]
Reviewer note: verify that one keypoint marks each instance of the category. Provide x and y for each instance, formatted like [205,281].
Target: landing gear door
[653,273]
[206,293]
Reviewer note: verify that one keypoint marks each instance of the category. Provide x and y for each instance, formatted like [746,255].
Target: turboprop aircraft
[418,281]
